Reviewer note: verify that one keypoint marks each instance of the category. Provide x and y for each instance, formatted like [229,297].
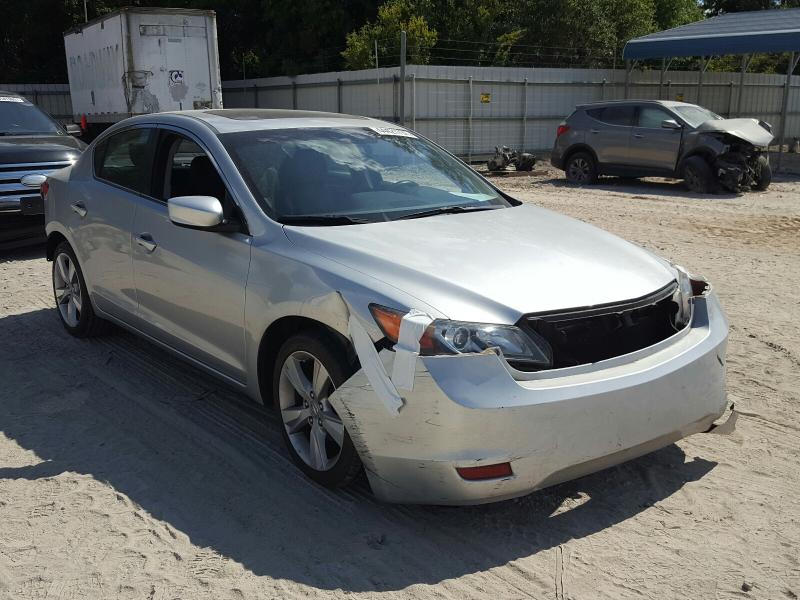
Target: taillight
[44,188]
[562,129]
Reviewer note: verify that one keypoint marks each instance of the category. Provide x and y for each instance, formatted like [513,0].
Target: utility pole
[85,11]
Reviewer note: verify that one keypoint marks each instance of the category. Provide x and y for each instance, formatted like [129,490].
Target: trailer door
[173,61]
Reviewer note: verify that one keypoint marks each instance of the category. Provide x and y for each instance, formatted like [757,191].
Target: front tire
[763,174]
[697,175]
[72,297]
[308,368]
[581,168]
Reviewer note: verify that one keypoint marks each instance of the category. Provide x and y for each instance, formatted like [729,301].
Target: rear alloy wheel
[697,175]
[72,298]
[306,374]
[581,168]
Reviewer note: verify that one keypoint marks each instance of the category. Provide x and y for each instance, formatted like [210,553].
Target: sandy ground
[126,474]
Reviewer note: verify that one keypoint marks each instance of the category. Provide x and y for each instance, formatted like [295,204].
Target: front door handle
[145,240]
[79,209]
[594,131]
[638,135]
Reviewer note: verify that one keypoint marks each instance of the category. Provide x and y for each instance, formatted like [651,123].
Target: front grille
[589,335]
[12,192]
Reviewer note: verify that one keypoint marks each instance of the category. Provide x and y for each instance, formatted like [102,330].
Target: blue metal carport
[744,33]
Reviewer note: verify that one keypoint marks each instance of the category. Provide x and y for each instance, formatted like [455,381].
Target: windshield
[353,175]
[695,115]
[20,117]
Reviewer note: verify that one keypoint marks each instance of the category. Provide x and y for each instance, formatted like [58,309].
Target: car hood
[40,148]
[749,130]
[497,264]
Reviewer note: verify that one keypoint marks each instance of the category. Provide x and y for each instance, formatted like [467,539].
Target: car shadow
[207,463]
[29,250]
[644,187]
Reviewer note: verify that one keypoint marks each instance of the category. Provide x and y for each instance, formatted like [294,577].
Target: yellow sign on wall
[485,98]
[679,97]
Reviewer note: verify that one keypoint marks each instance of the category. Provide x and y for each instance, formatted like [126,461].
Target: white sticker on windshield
[11,99]
[393,131]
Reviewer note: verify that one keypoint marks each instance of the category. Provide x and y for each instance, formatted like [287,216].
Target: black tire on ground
[581,168]
[763,174]
[333,356]
[526,162]
[85,322]
[697,175]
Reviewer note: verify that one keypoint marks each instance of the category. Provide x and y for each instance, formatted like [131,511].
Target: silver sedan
[403,315]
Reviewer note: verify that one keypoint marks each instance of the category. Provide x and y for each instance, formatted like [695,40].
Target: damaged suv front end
[735,149]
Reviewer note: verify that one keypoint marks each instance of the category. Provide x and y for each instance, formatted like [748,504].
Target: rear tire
[72,297]
[763,174]
[581,168]
[308,368]
[697,175]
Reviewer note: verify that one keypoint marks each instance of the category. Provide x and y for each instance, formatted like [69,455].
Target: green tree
[674,13]
[393,17]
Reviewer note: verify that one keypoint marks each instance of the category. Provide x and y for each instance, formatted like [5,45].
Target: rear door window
[126,159]
[614,115]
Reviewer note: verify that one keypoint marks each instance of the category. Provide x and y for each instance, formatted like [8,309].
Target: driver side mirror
[196,212]
[74,130]
[670,124]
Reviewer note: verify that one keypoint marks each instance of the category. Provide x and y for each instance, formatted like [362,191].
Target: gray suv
[644,138]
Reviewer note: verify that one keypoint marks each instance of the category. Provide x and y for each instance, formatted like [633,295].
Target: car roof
[667,103]
[14,94]
[231,120]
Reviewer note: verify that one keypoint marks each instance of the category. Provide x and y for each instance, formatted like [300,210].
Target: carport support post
[664,67]
[703,66]
[402,78]
[793,59]
[414,101]
[469,125]
[524,113]
[746,58]
[628,68]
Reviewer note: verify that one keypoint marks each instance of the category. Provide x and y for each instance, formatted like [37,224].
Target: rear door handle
[594,131]
[79,209]
[638,135]
[145,240]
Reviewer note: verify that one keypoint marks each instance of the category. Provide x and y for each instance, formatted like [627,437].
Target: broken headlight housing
[460,337]
[689,286]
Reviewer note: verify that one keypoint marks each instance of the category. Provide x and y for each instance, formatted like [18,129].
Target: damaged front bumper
[473,409]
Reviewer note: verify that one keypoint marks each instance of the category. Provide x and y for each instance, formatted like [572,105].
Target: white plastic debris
[412,327]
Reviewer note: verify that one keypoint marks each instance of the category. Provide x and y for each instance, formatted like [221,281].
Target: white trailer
[143,60]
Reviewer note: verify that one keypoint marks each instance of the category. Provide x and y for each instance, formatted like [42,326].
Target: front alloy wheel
[309,367]
[312,425]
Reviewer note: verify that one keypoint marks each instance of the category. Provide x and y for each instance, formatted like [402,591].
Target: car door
[609,133]
[653,146]
[191,283]
[102,208]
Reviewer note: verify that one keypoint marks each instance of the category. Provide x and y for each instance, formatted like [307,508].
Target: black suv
[32,145]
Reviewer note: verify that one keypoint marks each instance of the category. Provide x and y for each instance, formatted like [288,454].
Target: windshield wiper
[447,210]
[321,220]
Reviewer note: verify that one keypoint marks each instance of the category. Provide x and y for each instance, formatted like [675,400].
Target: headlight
[689,286]
[458,337]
